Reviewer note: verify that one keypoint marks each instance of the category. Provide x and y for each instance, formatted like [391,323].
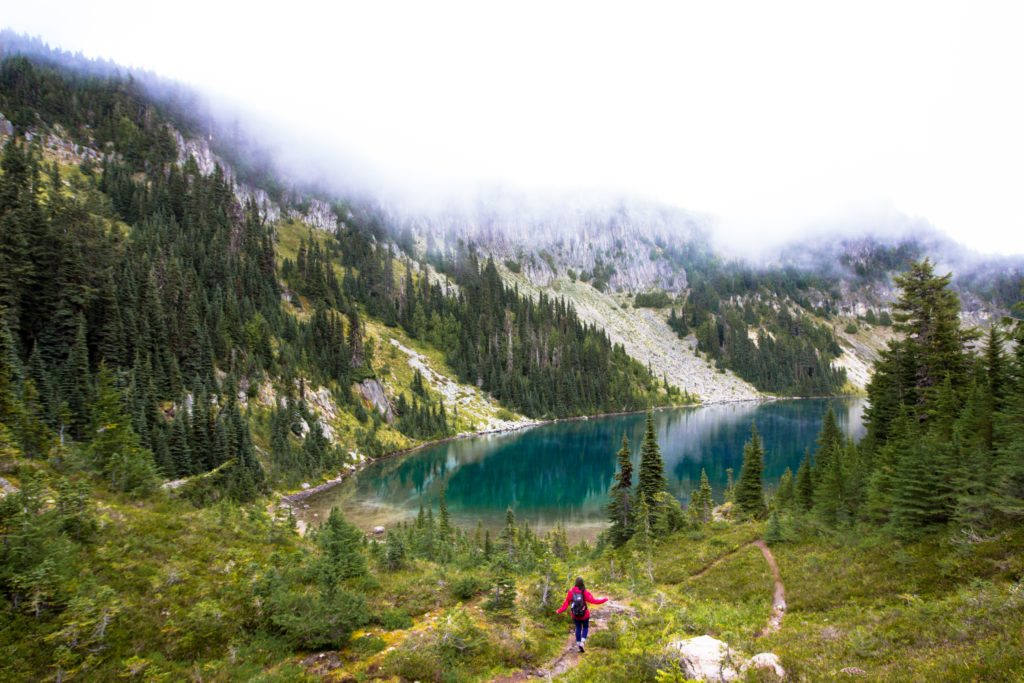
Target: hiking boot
[580,646]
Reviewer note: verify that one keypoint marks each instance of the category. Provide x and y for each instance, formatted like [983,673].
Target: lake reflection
[562,472]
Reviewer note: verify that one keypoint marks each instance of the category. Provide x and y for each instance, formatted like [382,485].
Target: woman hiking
[577,598]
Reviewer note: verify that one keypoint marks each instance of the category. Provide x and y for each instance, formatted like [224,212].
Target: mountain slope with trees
[153,326]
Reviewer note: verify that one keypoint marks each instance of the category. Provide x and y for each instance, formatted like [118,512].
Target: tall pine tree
[620,508]
[750,489]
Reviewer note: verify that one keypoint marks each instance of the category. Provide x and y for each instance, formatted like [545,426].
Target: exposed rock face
[646,336]
[316,213]
[373,391]
[625,238]
[704,658]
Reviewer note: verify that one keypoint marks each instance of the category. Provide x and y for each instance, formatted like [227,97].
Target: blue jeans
[582,626]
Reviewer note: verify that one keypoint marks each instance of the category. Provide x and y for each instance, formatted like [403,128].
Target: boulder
[766,660]
[705,659]
[708,659]
[7,488]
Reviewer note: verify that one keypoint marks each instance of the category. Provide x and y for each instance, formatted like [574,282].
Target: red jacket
[587,596]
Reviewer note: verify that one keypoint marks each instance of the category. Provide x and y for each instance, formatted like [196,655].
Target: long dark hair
[579,583]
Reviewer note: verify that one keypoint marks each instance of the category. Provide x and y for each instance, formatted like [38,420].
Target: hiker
[577,598]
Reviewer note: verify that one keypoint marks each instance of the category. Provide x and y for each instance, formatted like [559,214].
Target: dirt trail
[569,657]
[778,597]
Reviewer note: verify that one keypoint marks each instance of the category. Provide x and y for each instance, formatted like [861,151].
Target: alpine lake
[561,472]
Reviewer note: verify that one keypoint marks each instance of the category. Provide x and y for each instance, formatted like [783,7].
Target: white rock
[305,485]
[766,660]
[705,659]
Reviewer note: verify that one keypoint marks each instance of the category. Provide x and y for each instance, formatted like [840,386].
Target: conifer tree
[773,534]
[911,371]
[785,495]
[115,450]
[446,521]
[652,469]
[702,502]
[644,537]
[9,408]
[510,537]
[750,488]
[1009,463]
[341,556]
[620,508]
[394,552]
[181,452]
[996,367]
[830,441]
[75,389]
[504,596]
[730,486]
[804,493]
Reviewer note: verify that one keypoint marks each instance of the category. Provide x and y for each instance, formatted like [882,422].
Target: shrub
[367,645]
[658,299]
[608,639]
[467,587]
[394,619]
[412,665]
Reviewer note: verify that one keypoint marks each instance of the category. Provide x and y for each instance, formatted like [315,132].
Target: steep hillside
[198,292]
[647,337]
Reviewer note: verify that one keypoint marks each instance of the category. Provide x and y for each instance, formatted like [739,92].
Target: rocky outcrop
[315,212]
[615,239]
[373,392]
[704,658]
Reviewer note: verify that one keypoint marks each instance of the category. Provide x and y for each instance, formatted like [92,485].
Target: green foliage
[503,591]
[467,587]
[656,299]
[620,507]
[394,619]
[804,492]
[785,494]
[651,480]
[340,555]
[701,503]
[115,451]
[749,495]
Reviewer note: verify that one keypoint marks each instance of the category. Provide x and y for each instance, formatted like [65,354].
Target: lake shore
[291,499]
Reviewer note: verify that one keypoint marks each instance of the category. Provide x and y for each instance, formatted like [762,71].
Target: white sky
[774,117]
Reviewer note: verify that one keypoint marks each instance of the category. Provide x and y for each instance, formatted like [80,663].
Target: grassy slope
[900,612]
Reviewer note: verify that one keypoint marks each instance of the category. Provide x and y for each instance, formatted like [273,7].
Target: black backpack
[579,604]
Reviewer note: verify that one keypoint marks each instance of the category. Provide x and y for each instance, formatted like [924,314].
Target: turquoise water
[562,472]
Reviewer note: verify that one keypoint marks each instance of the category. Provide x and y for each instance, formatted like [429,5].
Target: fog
[773,119]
